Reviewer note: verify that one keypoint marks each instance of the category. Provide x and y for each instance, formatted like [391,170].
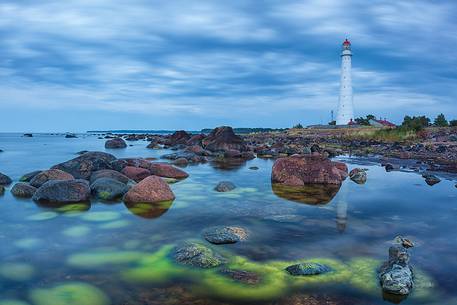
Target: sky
[141,64]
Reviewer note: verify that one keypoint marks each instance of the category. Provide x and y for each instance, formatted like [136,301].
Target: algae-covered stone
[307,268]
[108,189]
[23,190]
[224,186]
[225,235]
[197,255]
[71,293]
[17,271]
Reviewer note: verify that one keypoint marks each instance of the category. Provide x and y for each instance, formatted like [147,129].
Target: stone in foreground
[225,235]
[304,269]
[109,173]
[108,189]
[224,186]
[223,139]
[197,255]
[4,179]
[50,174]
[150,190]
[309,169]
[136,173]
[23,190]
[83,166]
[358,175]
[396,275]
[63,191]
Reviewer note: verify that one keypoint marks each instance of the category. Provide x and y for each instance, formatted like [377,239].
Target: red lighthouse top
[346,42]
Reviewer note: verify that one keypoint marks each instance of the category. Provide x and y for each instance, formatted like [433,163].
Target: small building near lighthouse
[345,113]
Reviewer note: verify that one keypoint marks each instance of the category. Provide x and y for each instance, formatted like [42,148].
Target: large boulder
[63,191]
[179,137]
[307,268]
[108,189]
[115,143]
[83,166]
[150,190]
[50,174]
[196,139]
[4,179]
[223,139]
[309,169]
[167,170]
[396,275]
[224,186]
[23,190]
[136,173]
[358,175]
[198,255]
[29,176]
[109,173]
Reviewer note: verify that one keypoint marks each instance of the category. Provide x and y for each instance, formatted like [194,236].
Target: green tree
[415,123]
[332,122]
[299,126]
[365,121]
[453,123]
[440,121]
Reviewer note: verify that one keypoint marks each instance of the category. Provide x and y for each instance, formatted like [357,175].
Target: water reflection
[313,194]
[228,164]
[64,207]
[149,210]
[342,210]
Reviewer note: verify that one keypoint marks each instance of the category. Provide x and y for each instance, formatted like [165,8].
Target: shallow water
[123,251]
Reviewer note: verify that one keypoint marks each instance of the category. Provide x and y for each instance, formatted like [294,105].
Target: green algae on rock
[101,216]
[71,293]
[17,271]
[364,276]
[76,231]
[197,255]
[42,216]
[149,210]
[73,208]
[102,258]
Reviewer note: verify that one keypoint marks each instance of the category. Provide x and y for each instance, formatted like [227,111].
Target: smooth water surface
[124,251]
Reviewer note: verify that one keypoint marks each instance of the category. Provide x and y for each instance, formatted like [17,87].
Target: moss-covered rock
[197,255]
[72,293]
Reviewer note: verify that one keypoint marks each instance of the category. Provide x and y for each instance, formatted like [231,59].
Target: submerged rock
[2,190]
[307,269]
[358,175]
[50,174]
[136,173]
[63,191]
[150,190]
[115,143]
[431,179]
[309,169]
[197,255]
[4,179]
[23,190]
[242,276]
[224,186]
[396,275]
[69,293]
[29,176]
[254,168]
[83,166]
[225,235]
[108,189]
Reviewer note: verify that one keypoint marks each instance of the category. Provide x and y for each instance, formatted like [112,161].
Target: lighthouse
[345,109]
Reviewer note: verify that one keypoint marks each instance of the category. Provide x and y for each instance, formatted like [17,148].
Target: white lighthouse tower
[345,109]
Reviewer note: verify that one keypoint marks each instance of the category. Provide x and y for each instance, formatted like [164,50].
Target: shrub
[440,121]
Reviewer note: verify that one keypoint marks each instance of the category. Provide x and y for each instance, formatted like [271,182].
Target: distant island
[243,130]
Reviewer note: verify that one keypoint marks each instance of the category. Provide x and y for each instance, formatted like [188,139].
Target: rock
[224,186]
[196,140]
[309,169]
[50,174]
[181,162]
[179,137]
[136,173]
[198,150]
[223,139]
[197,255]
[109,173]
[27,177]
[431,179]
[150,190]
[225,235]
[115,143]
[63,191]
[232,153]
[307,268]
[254,168]
[2,190]
[70,136]
[83,166]
[28,135]
[4,179]
[242,276]
[390,167]
[167,170]
[153,145]
[396,275]
[358,175]
[23,190]
[108,189]
[189,156]
[82,152]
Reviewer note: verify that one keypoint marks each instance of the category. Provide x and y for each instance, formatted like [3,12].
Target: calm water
[124,251]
